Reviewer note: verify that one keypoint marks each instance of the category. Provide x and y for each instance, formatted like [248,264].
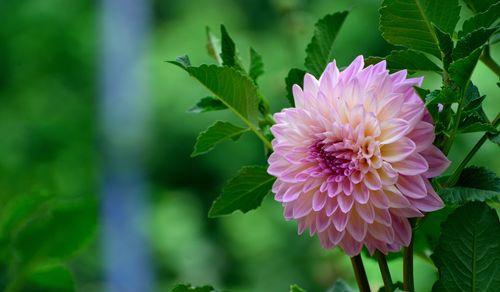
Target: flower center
[336,159]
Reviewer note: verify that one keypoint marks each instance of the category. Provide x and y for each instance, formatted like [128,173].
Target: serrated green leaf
[228,51]
[461,70]
[49,277]
[295,76]
[477,127]
[481,20]
[467,44]
[320,50]
[409,22]
[235,90]
[70,224]
[340,286]
[215,134]
[243,192]
[445,44]
[410,60]
[473,99]
[475,184]
[468,253]
[207,104]
[478,6]
[190,288]
[256,65]
[213,46]
[296,288]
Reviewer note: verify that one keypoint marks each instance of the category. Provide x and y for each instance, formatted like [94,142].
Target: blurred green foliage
[49,153]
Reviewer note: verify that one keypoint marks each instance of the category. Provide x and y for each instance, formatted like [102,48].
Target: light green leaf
[235,90]
[481,20]
[213,46]
[228,51]
[215,134]
[478,6]
[461,70]
[340,286]
[475,184]
[207,104]
[296,288]
[49,277]
[468,252]
[243,192]
[295,76]
[409,22]
[408,59]
[256,65]
[467,44]
[189,288]
[320,49]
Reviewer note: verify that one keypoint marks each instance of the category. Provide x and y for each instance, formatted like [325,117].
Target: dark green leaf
[213,46]
[473,99]
[295,76]
[207,104]
[340,286]
[296,288]
[320,49]
[481,20]
[445,44]
[461,70]
[422,93]
[475,184]
[467,44]
[70,224]
[373,60]
[398,286]
[243,192]
[445,95]
[478,6]
[494,137]
[410,60]
[409,22]
[48,278]
[477,127]
[215,134]
[189,288]
[256,65]
[235,90]
[228,51]
[468,253]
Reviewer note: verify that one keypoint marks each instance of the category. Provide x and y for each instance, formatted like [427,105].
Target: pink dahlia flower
[354,157]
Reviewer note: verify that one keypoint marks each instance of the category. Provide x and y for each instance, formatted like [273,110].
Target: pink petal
[438,163]
[398,150]
[361,193]
[395,198]
[335,236]
[366,212]
[390,106]
[412,165]
[383,216]
[379,199]
[423,135]
[339,220]
[402,230]
[392,130]
[345,203]
[381,232]
[431,202]
[319,200]
[412,186]
[357,227]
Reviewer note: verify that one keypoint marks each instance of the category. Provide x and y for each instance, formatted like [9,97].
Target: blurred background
[97,187]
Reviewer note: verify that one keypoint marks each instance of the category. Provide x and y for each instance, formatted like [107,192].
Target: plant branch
[360,273]
[489,62]
[384,270]
[456,174]
[408,267]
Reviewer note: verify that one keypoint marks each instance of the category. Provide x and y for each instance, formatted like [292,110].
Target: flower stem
[384,270]
[456,174]
[360,273]
[408,268]
[489,62]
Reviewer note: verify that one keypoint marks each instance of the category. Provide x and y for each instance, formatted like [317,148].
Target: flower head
[354,157]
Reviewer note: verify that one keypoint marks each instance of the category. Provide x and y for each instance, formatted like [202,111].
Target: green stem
[456,122]
[408,268]
[489,62]
[384,270]
[456,174]
[360,273]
